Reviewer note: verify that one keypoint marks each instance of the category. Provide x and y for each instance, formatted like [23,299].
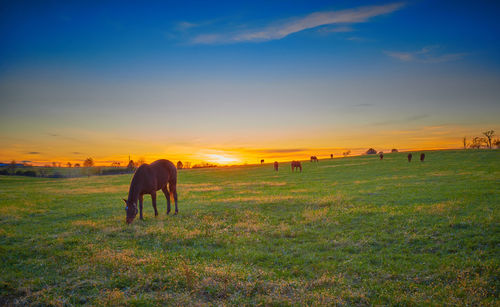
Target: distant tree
[140,162]
[115,164]
[477,142]
[179,165]
[89,162]
[187,164]
[346,153]
[131,165]
[496,142]
[371,151]
[331,156]
[394,150]
[77,165]
[54,164]
[464,142]
[68,164]
[12,167]
[489,135]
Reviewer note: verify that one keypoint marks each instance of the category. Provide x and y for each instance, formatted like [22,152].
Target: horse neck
[133,193]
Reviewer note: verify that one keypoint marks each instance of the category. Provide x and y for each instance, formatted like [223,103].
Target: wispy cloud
[281,29]
[33,153]
[413,118]
[429,54]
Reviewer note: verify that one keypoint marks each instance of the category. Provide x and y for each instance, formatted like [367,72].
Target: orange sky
[75,146]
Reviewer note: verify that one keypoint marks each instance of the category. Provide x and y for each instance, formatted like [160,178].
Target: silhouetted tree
[371,151]
[489,134]
[346,153]
[464,141]
[131,165]
[68,164]
[77,165]
[12,167]
[187,164]
[477,142]
[394,150]
[89,162]
[179,165]
[140,162]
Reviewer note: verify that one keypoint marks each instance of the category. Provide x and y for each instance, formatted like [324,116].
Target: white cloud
[282,29]
[427,54]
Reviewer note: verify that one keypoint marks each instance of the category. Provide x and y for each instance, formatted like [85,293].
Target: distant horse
[276,165]
[381,156]
[314,159]
[296,165]
[148,179]
[422,157]
[261,161]
[409,157]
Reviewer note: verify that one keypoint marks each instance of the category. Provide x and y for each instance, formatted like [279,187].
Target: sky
[234,82]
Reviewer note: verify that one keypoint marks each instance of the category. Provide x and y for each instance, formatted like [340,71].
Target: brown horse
[422,157]
[296,165]
[148,179]
[276,165]
[314,159]
[409,157]
[381,155]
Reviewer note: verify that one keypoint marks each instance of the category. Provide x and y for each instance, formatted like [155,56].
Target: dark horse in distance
[148,179]
[296,165]
[314,159]
[422,157]
[276,165]
[409,157]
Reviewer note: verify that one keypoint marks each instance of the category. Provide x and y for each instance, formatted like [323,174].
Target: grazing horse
[422,157]
[276,165]
[314,159]
[148,179]
[381,156]
[409,157]
[261,161]
[296,165]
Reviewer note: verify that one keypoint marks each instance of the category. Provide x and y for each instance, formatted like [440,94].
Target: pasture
[352,231]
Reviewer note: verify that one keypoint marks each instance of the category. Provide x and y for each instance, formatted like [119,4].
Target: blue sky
[218,76]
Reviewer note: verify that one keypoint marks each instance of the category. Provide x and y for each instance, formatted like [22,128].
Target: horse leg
[140,206]
[173,190]
[167,196]
[153,198]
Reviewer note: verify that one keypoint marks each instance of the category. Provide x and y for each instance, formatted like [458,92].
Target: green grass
[353,231]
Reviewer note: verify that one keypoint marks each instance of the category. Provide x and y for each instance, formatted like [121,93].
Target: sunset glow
[234,84]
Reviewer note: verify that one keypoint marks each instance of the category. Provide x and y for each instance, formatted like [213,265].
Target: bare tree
[179,165]
[464,140]
[346,153]
[140,162]
[89,162]
[477,142]
[187,164]
[68,164]
[489,135]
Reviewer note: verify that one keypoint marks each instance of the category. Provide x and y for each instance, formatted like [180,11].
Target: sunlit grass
[354,231]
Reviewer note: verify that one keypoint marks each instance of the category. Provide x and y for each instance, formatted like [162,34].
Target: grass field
[353,231]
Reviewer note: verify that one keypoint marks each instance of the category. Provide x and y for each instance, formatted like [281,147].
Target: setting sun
[222,159]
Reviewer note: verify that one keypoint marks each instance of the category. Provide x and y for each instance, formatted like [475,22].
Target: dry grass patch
[311,215]
[85,223]
[439,208]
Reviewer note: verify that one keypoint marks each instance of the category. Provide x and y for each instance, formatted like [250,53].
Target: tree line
[486,140]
